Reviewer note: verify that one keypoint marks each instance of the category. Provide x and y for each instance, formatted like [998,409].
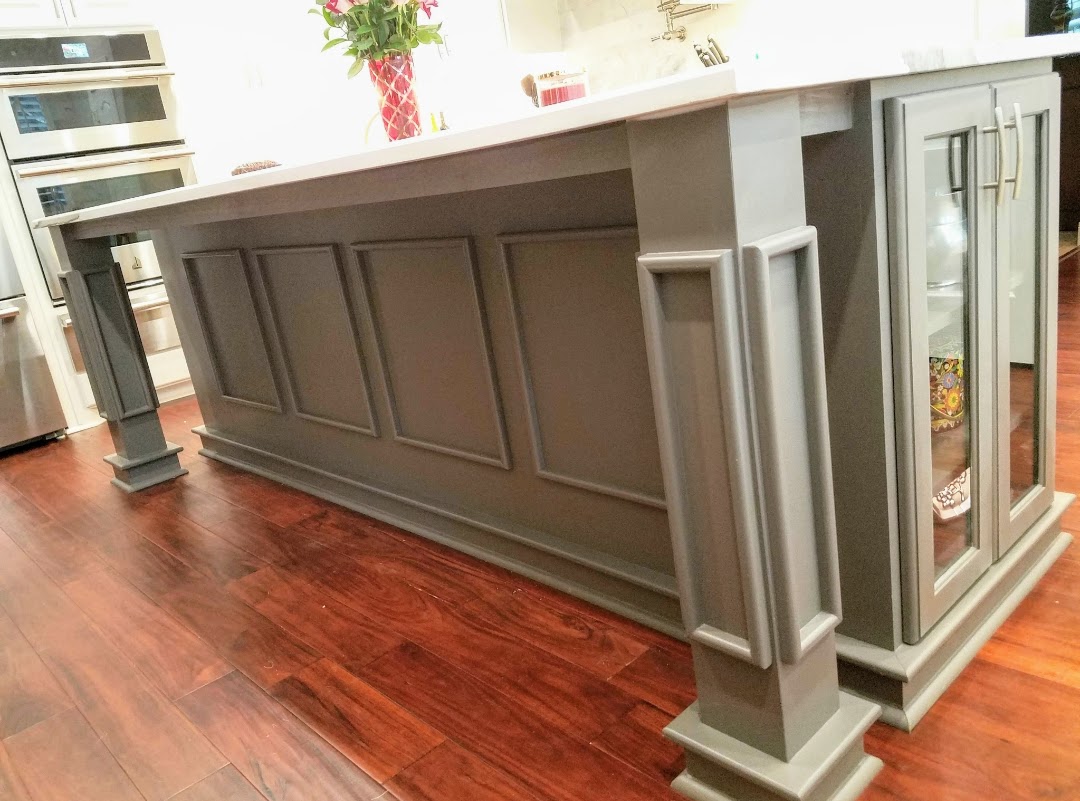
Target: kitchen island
[592,345]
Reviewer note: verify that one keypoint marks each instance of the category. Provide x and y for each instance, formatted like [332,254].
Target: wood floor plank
[261,650]
[225,785]
[565,695]
[379,736]
[274,751]
[316,618]
[196,546]
[268,499]
[32,600]
[661,677]
[479,718]
[577,638]
[11,786]
[63,759]
[60,554]
[157,746]
[28,692]
[638,740]
[450,773]
[172,658]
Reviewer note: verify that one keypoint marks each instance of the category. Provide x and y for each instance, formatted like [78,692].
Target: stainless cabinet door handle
[999,128]
[9,314]
[1018,181]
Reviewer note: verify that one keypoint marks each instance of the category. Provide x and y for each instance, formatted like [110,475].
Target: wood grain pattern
[195,546]
[315,618]
[379,736]
[158,748]
[11,786]
[476,716]
[36,605]
[172,658]
[577,638]
[280,756]
[638,740]
[662,676]
[225,785]
[28,692]
[264,652]
[61,555]
[549,687]
[268,499]
[450,773]
[63,760]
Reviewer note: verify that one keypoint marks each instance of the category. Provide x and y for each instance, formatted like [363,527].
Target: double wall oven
[86,118]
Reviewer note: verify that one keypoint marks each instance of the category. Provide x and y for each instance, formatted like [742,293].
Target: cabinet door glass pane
[950,392]
[1026,250]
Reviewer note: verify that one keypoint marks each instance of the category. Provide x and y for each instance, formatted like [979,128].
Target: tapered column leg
[105,328]
[729,289]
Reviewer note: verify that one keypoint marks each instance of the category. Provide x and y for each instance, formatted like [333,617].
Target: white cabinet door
[31,14]
[106,12]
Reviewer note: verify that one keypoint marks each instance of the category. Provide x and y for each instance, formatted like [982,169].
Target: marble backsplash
[612,37]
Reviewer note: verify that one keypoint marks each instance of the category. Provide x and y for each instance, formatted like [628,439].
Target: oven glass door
[39,119]
[71,185]
[87,49]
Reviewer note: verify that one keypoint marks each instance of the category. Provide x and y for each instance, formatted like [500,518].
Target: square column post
[730,296]
[123,388]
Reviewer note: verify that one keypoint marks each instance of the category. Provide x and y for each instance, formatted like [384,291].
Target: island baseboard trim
[906,683]
[342,491]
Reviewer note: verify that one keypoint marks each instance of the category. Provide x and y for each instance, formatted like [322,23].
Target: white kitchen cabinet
[105,12]
[31,14]
[532,26]
[16,14]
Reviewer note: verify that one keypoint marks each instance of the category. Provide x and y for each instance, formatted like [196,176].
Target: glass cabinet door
[942,252]
[1026,278]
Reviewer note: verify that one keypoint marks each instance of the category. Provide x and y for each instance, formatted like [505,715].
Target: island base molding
[832,766]
[907,681]
[623,589]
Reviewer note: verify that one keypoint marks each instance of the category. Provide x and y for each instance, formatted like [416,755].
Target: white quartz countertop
[834,63]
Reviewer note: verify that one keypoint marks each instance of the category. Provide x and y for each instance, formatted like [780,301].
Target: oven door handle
[101,163]
[64,79]
[136,308]
[9,314]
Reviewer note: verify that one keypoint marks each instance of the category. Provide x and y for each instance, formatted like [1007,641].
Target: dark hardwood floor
[223,638]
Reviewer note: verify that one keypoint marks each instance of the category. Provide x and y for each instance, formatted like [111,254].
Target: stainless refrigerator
[29,406]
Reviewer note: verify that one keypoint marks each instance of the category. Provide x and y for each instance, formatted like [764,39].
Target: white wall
[611,37]
[255,86]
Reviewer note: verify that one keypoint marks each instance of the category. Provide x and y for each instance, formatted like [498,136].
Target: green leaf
[315,11]
[333,43]
[356,68]
[328,17]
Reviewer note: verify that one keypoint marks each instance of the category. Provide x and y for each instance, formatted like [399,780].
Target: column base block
[909,679]
[832,766]
[133,475]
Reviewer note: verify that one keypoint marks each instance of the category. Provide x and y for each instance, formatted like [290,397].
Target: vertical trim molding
[779,481]
[719,265]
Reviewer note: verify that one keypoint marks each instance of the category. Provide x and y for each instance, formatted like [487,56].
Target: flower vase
[393,80]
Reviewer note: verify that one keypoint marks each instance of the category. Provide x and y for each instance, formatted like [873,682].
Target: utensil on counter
[718,54]
[704,57]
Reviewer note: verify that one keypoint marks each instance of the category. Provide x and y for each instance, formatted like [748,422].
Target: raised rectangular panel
[327,380]
[577,318]
[432,340]
[699,382]
[783,311]
[235,342]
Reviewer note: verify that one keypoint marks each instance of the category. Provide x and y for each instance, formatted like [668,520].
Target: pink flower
[341,6]
[427,5]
